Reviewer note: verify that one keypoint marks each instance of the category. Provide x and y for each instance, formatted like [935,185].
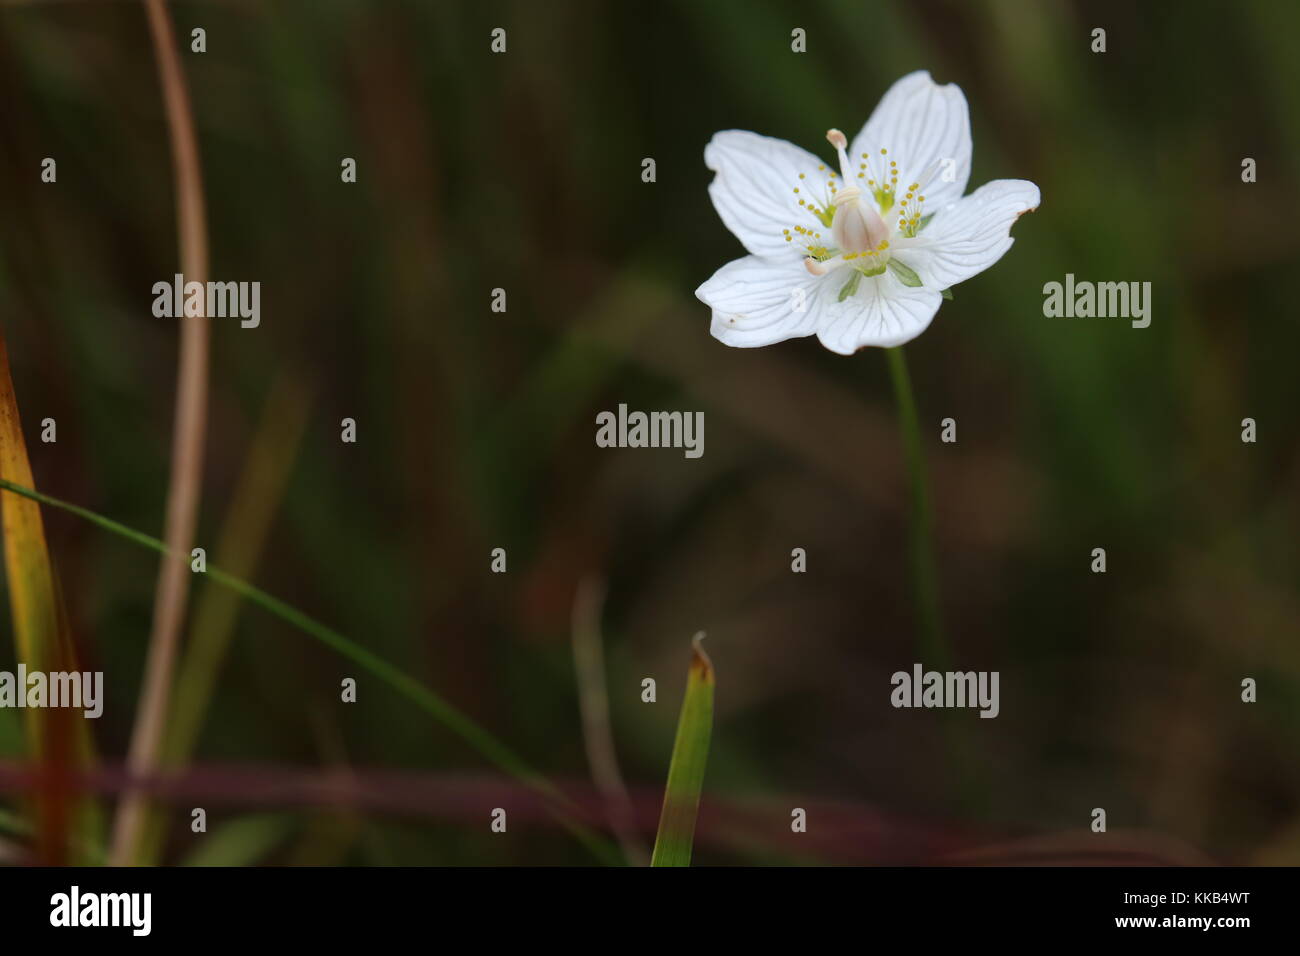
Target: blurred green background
[476,429]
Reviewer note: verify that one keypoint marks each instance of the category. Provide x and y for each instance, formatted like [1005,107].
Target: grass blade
[55,737]
[482,740]
[686,771]
[593,705]
[257,496]
[27,557]
[244,841]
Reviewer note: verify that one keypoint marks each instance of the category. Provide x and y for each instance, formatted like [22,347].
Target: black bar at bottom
[334,906]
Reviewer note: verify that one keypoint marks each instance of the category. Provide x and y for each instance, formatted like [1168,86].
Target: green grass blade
[686,772]
[243,841]
[426,699]
[444,712]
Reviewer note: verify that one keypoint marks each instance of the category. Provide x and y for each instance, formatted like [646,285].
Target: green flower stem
[925,579]
[931,646]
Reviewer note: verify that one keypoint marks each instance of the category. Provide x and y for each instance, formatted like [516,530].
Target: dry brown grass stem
[188,431]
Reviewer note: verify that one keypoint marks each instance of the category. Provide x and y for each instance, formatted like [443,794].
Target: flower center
[856,226]
[862,213]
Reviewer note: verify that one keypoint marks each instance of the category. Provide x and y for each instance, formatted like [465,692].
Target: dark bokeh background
[522,171]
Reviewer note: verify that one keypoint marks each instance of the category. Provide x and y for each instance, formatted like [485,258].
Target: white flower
[863,257]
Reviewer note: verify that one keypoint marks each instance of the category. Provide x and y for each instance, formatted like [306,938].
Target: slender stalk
[597,732]
[188,430]
[925,578]
[931,646]
[258,493]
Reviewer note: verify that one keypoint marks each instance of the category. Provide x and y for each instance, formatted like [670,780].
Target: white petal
[969,235]
[758,301]
[882,312]
[922,124]
[753,190]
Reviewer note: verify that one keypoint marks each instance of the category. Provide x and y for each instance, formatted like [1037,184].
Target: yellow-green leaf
[27,558]
[40,630]
[686,771]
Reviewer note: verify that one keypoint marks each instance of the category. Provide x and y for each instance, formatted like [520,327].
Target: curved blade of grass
[55,739]
[686,771]
[441,710]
